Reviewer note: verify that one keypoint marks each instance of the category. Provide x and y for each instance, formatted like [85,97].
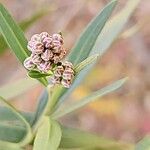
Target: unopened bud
[28,64]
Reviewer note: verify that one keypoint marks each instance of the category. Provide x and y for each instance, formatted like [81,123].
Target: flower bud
[59,71]
[44,35]
[28,64]
[68,74]
[47,55]
[58,37]
[47,41]
[44,66]
[56,80]
[36,59]
[56,59]
[38,48]
[66,83]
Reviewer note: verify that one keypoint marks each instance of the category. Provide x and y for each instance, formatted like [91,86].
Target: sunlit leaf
[16,88]
[87,40]
[90,98]
[108,35]
[85,63]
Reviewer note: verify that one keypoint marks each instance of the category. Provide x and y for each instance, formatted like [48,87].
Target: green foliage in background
[41,129]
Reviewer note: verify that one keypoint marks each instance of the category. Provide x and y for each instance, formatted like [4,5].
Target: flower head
[46,50]
[63,74]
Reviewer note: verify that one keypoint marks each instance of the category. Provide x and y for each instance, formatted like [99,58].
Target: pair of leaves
[86,42]
[48,136]
[14,37]
[109,33]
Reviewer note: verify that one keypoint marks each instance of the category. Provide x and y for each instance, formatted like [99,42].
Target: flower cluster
[63,74]
[47,53]
[46,50]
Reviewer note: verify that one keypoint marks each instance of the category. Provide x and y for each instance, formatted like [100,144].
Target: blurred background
[123,115]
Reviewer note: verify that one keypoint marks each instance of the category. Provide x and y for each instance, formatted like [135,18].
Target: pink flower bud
[59,71]
[43,35]
[36,59]
[56,80]
[57,37]
[47,55]
[47,41]
[67,64]
[28,64]
[38,48]
[44,66]
[68,74]
[56,59]
[66,83]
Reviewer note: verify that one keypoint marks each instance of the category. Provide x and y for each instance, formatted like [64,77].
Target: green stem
[47,110]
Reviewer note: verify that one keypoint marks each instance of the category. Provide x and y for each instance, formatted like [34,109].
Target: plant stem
[47,110]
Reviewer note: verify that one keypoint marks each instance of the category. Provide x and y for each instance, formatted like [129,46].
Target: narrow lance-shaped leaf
[108,35]
[85,63]
[24,25]
[87,40]
[36,74]
[28,136]
[14,37]
[75,138]
[90,98]
[17,88]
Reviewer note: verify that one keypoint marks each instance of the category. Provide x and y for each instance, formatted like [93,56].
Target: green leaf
[37,74]
[108,35]
[74,138]
[14,37]
[87,39]
[17,88]
[86,42]
[9,146]
[24,25]
[90,98]
[6,115]
[48,135]
[28,136]
[143,144]
[12,133]
[85,62]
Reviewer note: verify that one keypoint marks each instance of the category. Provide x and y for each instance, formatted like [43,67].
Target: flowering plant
[43,57]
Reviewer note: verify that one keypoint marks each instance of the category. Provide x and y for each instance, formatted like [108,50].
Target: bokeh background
[123,115]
